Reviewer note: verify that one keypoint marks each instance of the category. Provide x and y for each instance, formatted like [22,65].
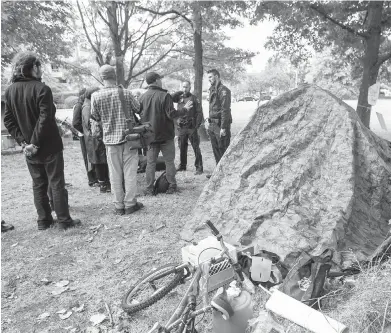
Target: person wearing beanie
[157,107]
[106,107]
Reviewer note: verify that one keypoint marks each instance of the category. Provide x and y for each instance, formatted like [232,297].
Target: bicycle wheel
[151,288]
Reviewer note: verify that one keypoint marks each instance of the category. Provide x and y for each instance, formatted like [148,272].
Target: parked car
[246,99]
[265,98]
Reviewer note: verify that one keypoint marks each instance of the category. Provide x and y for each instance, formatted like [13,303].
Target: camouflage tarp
[304,174]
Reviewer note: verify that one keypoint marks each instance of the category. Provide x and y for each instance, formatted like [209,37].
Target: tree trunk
[198,67]
[371,55]
[115,39]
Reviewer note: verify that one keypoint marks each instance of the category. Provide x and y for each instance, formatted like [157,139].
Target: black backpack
[161,184]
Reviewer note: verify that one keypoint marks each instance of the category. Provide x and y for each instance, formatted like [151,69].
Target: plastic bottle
[243,312]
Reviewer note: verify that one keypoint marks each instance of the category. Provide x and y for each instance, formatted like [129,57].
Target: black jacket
[157,107]
[194,117]
[220,104]
[30,116]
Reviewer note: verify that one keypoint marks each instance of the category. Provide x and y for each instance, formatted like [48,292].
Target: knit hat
[107,72]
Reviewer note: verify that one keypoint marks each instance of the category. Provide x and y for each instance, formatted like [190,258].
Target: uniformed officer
[219,122]
[188,126]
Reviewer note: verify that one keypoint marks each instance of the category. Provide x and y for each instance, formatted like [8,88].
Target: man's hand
[30,150]
[188,105]
[223,132]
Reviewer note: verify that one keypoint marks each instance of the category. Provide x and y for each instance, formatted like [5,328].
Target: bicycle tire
[130,308]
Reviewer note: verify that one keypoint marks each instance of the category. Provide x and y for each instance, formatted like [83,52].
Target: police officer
[188,126]
[219,122]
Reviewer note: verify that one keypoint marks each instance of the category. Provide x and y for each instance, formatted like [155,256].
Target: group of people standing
[99,115]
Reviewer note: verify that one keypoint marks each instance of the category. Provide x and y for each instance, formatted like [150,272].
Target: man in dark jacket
[219,122]
[157,107]
[188,127]
[30,119]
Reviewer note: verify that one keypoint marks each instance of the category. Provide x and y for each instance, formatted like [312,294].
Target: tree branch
[97,52]
[320,11]
[156,62]
[383,58]
[172,11]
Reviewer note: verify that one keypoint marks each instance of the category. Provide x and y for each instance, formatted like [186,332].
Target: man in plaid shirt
[123,163]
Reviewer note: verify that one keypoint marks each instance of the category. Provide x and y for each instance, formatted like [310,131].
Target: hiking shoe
[119,211]
[181,168]
[135,208]
[172,190]
[105,187]
[198,172]
[43,225]
[67,225]
[6,227]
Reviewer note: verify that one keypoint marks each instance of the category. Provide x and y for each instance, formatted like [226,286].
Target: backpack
[161,184]
[305,281]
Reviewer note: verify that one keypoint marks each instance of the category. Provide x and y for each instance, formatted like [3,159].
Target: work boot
[43,225]
[198,172]
[135,208]
[66,225]
[104,187]
[119,211]
[6,227]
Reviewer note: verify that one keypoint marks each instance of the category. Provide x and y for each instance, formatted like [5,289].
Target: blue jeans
[47,172]
[168,150]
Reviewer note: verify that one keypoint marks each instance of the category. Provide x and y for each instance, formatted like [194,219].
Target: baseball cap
[152,77]
[107,72]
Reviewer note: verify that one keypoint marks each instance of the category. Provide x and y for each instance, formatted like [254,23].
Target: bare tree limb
[98,53]
[172,11]
[320,11]
[384,57]
[85,70]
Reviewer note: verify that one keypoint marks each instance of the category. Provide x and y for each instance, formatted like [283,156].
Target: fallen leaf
[89,240]
[14,244]
[92,330]
[59,290]
[66,315]
[160,252]
[62,311]
[117,261]
[78,309]
[43,315]
[161,226]
[62,283]
[98,318]
[45,281]
[143,232]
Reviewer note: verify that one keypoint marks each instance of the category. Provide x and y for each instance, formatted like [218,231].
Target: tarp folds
[303,175]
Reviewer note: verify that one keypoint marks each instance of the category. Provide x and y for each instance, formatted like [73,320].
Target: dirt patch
[99,263]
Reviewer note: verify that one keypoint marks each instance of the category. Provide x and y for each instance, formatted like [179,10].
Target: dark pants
[219,143]
[102,172]
[186,135]
[92,178]
[49,172]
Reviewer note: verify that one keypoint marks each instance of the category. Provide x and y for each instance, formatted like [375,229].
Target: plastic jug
[243,312]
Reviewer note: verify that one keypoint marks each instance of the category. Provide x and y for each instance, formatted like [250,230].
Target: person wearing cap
[188,127]
[157,107]
[106,107]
